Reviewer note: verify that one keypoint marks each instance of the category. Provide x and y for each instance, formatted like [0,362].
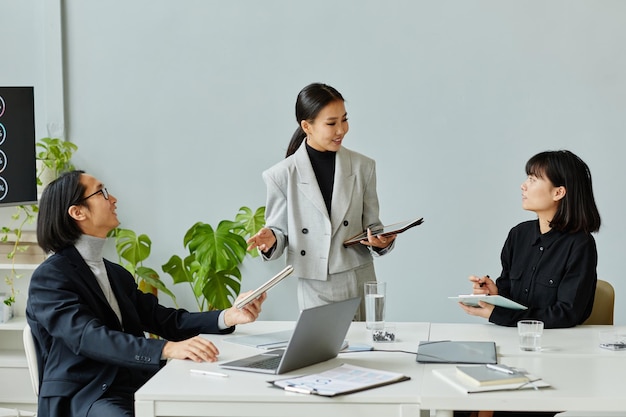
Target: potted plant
[55,156]
[25,214]
[212,266]
[132,251]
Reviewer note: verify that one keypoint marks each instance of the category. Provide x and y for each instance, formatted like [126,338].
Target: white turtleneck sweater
[90,248]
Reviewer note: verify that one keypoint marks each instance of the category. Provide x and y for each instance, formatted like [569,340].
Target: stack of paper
[341,380]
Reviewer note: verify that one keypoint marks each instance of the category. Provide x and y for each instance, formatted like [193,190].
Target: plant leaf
[252,223]
[222,288]
[219,249]
[176,268]
[135,249]
[150,276]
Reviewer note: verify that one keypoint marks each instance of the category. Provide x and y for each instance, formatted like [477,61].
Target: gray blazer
[296,213]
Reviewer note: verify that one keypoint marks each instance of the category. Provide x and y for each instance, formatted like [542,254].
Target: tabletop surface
[582,375]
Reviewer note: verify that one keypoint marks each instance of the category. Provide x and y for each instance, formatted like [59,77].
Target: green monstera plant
[212,266]
[132,251]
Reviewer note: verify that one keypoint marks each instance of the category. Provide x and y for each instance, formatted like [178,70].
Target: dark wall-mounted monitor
[18,171]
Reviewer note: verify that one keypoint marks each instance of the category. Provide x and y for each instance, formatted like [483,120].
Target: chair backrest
[31,358]
[603,304]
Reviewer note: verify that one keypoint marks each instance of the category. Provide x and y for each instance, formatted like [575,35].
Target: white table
[583,377]
[578,384]
[580,340]
[174,392]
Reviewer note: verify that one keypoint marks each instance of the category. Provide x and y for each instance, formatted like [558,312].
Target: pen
[208,373]
[483,283]
[298,389]
[500,368]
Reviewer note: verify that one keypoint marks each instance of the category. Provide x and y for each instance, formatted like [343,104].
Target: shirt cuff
[381,251]
[221,321]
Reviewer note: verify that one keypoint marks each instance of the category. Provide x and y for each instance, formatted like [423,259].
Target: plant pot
[6,312]
[45,174]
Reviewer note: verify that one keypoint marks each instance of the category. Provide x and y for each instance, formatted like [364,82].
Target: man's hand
[198,349]
[247,314]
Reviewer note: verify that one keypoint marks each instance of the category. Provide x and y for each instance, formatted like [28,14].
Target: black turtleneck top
[324,167]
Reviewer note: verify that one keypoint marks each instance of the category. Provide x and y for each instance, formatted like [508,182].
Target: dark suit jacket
[80,342]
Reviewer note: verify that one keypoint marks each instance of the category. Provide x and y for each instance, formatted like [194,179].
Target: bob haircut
[577,211]
[310,102]
[56,229]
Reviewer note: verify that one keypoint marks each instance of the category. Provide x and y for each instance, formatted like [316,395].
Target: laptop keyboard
[269,363]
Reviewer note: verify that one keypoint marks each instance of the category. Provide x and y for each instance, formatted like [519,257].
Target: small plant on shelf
[55,158]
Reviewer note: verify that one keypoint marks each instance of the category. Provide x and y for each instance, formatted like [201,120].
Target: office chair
[33,369]
[603,304]
[602,313]
[31,358]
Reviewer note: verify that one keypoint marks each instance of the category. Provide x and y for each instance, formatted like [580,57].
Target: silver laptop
[318,336]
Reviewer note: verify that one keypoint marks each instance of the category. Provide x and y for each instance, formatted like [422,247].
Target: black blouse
[553,274]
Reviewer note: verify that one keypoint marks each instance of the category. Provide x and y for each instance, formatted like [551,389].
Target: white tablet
[496,300]
[265,287]
[392,229]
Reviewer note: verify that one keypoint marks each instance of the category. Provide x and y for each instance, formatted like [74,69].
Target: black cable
[379,350]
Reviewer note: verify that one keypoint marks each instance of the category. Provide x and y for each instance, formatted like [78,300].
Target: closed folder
[448,351]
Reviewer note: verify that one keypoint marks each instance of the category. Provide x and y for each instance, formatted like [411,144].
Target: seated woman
[548,264]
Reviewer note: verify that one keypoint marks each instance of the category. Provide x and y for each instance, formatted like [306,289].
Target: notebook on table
[318,336]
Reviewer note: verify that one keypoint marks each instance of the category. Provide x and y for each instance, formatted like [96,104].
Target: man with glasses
[88,317]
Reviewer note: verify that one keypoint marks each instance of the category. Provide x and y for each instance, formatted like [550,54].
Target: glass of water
[530,332]
[375,305]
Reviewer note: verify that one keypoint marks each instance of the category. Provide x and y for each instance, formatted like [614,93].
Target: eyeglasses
[104,192]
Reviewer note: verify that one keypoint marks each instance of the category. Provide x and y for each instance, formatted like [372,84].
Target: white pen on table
[208,373]
[501,368]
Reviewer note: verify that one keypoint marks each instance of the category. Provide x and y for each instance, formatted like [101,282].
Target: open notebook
[318,336]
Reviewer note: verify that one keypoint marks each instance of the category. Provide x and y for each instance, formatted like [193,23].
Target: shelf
[12,358]
[18,267]
[16,323]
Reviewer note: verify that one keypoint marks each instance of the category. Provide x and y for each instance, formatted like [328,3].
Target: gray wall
[178,106]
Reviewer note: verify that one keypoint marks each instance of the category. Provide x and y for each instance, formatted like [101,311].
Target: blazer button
[104,387]
[345,223]
[305,230]
[302,252]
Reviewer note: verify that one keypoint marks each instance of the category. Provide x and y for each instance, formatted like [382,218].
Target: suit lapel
[131,324]
[90,281]
[307,183]
[342,188]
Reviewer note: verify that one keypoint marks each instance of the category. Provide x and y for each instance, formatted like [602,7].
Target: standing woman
[549,264]
[318,197]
